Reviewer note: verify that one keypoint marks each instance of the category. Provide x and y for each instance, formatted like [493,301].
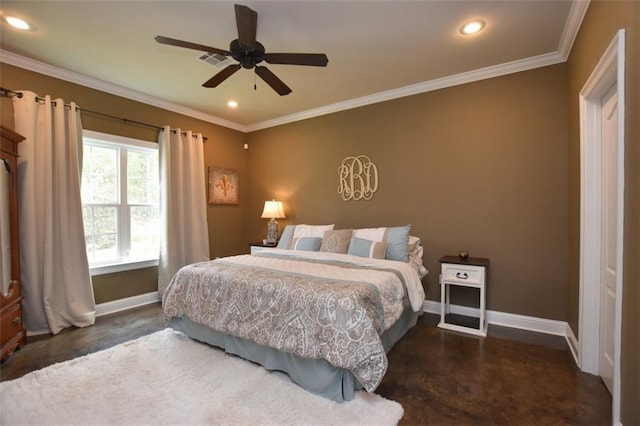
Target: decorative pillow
[286,237]
[397,239]
[336,241]
[311,230]
[367,248]
[398,243]
[306,243]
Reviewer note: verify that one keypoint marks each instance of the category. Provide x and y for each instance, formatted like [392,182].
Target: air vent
[217,60]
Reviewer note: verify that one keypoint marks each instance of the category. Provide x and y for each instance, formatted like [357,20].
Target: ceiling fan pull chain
[255,86]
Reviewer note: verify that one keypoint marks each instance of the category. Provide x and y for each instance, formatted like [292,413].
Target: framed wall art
[223,185]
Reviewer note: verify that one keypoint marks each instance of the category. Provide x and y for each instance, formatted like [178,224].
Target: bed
[326,319]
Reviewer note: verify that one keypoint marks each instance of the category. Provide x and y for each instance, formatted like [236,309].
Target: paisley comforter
[314,305]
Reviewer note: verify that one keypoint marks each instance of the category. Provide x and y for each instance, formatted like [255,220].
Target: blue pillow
[398,243]
[307,243]
[286,237]
[367,248]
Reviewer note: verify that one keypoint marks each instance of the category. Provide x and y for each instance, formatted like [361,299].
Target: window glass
[142,174]
[99,174]
[101,232]
[120,195]
[144,231]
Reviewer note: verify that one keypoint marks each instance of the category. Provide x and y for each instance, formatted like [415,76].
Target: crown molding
[572,26]
[414,89]
[114,89]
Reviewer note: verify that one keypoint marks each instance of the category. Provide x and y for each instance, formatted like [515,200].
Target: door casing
[608,71]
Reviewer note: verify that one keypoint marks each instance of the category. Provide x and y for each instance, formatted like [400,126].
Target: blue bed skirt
[315,375]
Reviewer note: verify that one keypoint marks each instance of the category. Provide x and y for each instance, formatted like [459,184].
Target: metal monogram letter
[358,178]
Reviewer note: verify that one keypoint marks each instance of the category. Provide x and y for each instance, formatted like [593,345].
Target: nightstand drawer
[463,273]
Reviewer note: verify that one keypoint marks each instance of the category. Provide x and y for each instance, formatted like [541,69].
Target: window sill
[122,266]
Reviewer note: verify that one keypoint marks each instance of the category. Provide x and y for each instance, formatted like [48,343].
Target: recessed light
[472,27]
[232,104]
[18,23]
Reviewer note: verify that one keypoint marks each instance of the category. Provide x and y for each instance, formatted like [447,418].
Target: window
[120,193]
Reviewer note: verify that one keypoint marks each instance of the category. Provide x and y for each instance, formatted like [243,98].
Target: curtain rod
[7,93]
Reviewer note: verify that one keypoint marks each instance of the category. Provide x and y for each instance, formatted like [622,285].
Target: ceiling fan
[249,53]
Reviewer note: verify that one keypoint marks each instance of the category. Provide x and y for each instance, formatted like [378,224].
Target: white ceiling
[377,50]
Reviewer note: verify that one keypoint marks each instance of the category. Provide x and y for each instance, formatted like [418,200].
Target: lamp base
[272,232]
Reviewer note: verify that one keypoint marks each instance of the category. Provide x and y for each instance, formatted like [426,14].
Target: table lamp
[272,210]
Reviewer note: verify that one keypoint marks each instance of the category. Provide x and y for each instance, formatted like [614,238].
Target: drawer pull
[462,275]
[15,321]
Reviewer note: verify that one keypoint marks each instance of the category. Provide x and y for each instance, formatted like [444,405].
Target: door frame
[609,71]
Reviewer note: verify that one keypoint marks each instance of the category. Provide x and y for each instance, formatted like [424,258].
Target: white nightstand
[471,272]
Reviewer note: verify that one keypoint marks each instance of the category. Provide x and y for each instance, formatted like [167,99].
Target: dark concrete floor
[512,377]
[440,378]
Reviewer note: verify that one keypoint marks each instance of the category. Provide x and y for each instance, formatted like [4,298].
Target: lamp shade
[273,210]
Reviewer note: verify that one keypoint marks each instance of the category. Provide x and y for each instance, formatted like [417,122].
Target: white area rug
[166,378]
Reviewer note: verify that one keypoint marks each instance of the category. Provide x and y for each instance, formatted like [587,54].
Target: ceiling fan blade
[312,59]
[222,76]
[273,81]
[247,23]
[189,45]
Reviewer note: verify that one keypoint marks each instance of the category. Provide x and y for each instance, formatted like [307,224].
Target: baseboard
[126,303]
[112,307]
[572,341]
[523,322]
[33,333]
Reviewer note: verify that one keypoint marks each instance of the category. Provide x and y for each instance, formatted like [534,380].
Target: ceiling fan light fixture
[249,53]
[232,104]
[472,27]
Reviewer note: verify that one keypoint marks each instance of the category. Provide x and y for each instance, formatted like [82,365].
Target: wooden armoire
[12,333]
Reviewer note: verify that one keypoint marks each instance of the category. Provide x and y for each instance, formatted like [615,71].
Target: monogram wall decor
[358,178]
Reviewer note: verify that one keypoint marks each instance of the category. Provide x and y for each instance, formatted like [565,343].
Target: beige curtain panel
[54,268]
[184,234]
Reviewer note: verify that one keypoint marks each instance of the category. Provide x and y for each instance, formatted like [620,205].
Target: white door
[609,226]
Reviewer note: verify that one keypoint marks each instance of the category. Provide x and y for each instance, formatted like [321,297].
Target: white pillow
[415,255]
[414,242]
[311,231]
[371,234]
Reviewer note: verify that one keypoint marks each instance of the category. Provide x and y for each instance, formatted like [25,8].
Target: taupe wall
[480,167]
[224,148]
[491,167]
[602,21]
